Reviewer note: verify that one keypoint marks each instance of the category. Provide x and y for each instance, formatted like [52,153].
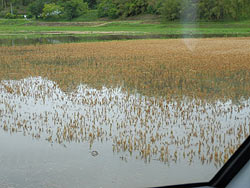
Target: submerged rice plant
[149,99]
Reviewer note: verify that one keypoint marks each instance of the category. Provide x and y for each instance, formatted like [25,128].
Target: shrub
[20,16]
[2,14]
[10,16]
[29,16]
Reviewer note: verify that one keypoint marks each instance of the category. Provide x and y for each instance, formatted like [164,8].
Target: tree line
[189,10]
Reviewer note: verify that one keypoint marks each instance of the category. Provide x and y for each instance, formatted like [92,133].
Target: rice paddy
[157,102]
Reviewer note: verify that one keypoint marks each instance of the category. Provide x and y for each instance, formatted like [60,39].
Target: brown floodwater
[109,137]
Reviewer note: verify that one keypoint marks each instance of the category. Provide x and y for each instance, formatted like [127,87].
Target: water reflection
[137,126]
[58,39]
[41,40]
[166,115]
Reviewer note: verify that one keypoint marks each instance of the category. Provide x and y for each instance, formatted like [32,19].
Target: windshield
[134,113]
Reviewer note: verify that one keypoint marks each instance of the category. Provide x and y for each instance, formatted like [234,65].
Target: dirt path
[88,32]
[86,24]
[73,32]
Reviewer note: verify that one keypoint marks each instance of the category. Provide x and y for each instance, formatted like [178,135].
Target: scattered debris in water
[94,153]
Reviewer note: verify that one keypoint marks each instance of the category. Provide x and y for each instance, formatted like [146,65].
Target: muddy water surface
[111,138]
[58,39]
[122,114]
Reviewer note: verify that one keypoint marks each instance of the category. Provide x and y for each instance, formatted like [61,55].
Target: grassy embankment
[140,26]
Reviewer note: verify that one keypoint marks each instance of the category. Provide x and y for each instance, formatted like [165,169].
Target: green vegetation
[187,10]
[90,16]
[74,8]
[131,17]
[18,27]
[52,11]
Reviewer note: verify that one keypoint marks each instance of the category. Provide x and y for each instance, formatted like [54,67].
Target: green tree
[235,8]
[75,8]
[188,10]
[132,7]
[107,8]
[171,9]
[91,3]
[52,11]
[245,9]
[25,2]
[36,8]
[212,9]
[154,6]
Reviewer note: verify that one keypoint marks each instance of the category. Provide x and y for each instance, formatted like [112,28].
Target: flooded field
[122,114]
[64,38]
